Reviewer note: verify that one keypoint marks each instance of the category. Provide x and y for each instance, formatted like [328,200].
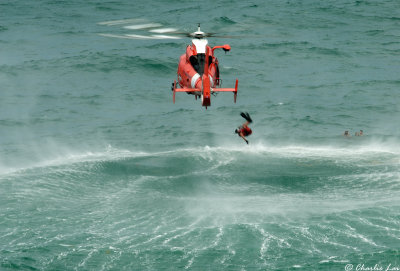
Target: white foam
[65,157]
[222,208]
[352,232]
[221,154]
[313,151]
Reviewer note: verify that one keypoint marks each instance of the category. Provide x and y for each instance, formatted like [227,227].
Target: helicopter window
[194,63]
[199,61]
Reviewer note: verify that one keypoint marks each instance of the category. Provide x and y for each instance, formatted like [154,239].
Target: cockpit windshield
[198,61]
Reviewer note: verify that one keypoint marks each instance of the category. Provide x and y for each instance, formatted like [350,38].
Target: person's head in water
[359,133]
[346,133]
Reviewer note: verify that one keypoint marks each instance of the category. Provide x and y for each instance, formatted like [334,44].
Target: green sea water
[99,170]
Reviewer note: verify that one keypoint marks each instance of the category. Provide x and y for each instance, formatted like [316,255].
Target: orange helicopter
[198,72]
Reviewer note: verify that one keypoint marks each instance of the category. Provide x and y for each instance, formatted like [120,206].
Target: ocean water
[99,170]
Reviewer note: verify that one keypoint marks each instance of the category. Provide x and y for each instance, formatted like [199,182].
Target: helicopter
[198,71]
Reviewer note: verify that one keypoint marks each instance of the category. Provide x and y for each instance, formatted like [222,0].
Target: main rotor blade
[139,37]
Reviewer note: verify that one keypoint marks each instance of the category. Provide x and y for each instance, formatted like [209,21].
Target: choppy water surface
[100,171]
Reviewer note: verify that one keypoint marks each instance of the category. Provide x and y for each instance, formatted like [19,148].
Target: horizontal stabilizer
[206,96]
[234,90]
